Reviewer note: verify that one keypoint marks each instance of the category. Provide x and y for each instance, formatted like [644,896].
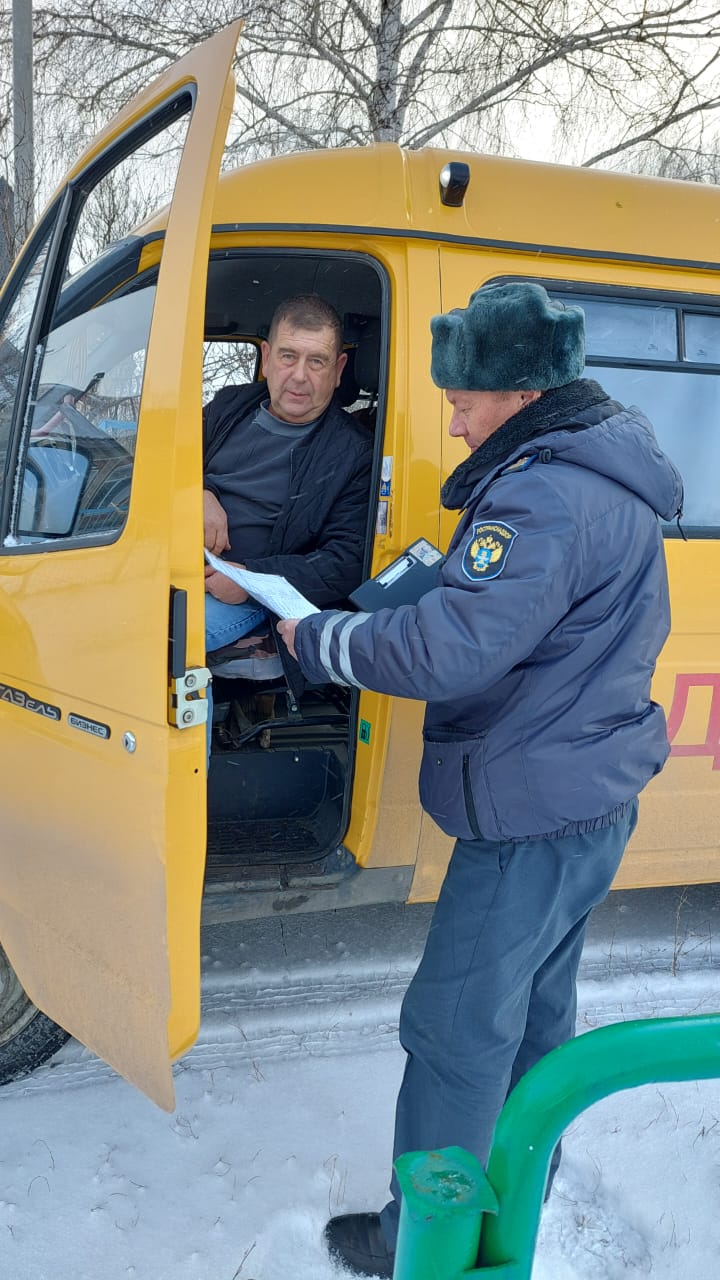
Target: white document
[270,589]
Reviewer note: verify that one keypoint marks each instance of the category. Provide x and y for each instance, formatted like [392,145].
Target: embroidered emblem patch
[487,550]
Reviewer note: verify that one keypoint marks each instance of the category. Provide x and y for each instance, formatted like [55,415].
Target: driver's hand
[223,588]
[48,426]
[215,525]
[56,420]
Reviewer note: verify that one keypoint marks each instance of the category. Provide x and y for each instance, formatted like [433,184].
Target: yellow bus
[112,837]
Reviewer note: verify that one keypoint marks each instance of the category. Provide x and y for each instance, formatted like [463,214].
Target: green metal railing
[457,1221]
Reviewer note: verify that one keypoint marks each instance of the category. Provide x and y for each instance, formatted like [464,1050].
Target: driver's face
[302,368]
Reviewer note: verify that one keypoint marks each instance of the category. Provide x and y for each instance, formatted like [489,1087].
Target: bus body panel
[104,803]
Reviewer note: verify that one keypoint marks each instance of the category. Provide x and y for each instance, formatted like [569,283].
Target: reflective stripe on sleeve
[344,649]
[326,636]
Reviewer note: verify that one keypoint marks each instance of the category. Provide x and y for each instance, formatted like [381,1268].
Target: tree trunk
[386,118]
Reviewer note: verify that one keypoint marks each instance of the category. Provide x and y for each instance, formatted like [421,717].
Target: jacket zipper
[470,813]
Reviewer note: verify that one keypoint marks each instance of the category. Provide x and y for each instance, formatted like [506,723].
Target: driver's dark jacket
[318,539]
[536,650]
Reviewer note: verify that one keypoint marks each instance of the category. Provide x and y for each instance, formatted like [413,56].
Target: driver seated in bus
[286,481]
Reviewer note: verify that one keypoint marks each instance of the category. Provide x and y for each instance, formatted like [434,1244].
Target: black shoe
[358,1242]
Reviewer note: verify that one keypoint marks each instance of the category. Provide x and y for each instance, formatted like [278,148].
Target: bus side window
[14,330]
[684,409]
[664,357]
[228,362]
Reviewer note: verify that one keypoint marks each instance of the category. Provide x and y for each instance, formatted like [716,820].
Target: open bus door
[101,603]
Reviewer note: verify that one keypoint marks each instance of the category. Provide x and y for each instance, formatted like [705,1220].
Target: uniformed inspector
[534,653]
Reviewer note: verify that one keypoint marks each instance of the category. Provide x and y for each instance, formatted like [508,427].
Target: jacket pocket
[446,782]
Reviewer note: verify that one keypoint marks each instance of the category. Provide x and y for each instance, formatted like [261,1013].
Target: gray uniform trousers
[495,989]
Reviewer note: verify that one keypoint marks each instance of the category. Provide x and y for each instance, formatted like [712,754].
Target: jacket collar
[555,408]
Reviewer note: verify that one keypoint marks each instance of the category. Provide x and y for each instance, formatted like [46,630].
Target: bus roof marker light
[454,180]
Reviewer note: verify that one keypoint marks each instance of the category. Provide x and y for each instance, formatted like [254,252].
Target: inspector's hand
[215,527]
[223,588]
[286,628]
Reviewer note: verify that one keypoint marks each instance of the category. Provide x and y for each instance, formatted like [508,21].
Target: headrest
[367,356]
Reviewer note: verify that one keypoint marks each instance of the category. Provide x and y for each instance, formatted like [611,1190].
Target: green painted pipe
[558,1089]
[444,1195]
[447,1200]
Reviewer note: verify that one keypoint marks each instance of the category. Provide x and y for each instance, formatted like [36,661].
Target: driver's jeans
[225,623]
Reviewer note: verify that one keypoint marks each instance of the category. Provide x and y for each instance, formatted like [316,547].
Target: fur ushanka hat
[509,337]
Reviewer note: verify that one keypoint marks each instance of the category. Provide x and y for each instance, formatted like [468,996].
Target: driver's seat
[253,684]
[260,662]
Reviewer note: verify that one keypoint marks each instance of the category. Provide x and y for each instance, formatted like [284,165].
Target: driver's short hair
[307,311]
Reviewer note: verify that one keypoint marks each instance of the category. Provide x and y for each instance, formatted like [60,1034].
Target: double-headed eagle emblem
[487,549]
[484,552]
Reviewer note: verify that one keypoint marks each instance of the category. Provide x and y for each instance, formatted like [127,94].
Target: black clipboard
[404,581]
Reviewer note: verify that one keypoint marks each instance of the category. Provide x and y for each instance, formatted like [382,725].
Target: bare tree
[687,159]
[484,74]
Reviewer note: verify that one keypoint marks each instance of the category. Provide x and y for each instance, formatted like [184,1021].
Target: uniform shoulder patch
[487,550]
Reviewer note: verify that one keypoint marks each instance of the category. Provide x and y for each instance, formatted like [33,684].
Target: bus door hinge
[186,705]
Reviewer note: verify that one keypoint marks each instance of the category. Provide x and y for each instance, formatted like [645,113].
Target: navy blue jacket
[318,540]
[536,650]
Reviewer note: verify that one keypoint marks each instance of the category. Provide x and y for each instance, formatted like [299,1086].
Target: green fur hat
[509,337]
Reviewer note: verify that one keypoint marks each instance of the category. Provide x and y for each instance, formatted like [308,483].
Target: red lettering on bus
[711,746]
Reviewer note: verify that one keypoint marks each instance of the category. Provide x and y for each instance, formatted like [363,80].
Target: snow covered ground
[284,1116]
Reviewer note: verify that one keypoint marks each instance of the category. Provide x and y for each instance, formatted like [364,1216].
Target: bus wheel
[27,1037]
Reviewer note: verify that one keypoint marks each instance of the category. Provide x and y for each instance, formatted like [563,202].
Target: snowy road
[332,982]
[285,1114]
